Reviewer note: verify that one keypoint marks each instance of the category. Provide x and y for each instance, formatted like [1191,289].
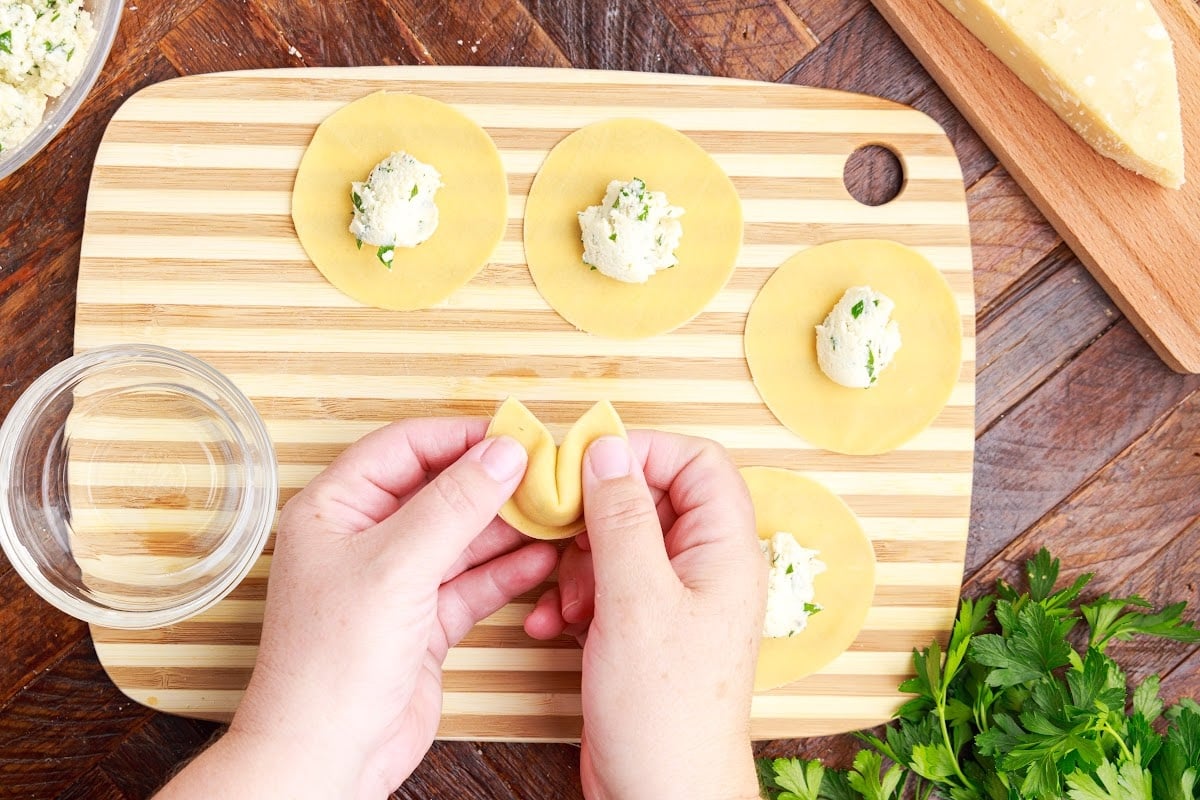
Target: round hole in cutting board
[873,175]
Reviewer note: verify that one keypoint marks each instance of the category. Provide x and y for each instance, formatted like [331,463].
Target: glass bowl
[137,486]
[106,15]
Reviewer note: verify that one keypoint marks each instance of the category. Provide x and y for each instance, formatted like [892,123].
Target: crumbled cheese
[43,48]
[858,339]
[791,595]
[632,234]
[20,113]
[395,206]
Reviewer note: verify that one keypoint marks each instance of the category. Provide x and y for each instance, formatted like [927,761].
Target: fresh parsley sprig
[1012,711]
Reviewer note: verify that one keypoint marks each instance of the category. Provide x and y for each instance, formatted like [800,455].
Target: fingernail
[503,459]
[609,457]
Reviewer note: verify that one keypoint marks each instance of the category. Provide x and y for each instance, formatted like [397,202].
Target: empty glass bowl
[137,486]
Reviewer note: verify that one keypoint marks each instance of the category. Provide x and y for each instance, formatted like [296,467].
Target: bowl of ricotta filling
[51,53]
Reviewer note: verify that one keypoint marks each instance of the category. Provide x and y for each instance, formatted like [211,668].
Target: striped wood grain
[188,243]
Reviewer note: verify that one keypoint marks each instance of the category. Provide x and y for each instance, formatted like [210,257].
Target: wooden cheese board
[188,243]
[1136,238]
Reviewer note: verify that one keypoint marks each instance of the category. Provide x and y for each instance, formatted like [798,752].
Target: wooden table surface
[1086,443]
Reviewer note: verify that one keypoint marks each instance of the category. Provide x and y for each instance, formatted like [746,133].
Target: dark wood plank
[483,32]
[28,649]
[825,18]
[1036,332]
[752,39]
[321,35]
[456,769]
[555,777]
[1008,238]
[95,785]
[61,725]
[227,34]
[141,764]
[621,34]
[1041,452]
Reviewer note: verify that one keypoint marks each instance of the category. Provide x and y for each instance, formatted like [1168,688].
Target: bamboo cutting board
[188,243]
[1137,239]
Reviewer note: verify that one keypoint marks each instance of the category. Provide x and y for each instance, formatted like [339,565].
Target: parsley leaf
[6,42]
[857,309]
[1107,622]
[800,779]
[386,253]
[868,779]
[1037,645]
[357,200]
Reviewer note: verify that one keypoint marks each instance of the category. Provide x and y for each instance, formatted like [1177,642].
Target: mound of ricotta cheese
[43,47]
[858,339]
[632,234]
[394,207]
[791,598]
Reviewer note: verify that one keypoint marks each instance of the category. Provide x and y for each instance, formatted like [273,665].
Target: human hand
[384,562]
[665,591]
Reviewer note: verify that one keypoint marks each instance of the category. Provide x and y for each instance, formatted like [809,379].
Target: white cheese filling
[43,48]
[791,597]
[394,207]
[858,339]
[632,234]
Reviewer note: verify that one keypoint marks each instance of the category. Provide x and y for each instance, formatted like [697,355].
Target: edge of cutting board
[920,531]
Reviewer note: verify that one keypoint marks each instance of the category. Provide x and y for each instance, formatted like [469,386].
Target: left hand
[385,561]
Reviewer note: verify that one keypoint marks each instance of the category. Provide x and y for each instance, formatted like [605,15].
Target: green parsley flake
[613,236]
[870,362]
[358,203]
[857,309]
[385,254]
[413,193]
[6,42]
[645,213]
[359,243]
[791,568]
[811,608]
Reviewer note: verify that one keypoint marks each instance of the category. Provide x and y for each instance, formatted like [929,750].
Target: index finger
[372,475]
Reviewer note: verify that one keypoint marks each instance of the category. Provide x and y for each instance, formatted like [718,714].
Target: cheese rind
[1107,69]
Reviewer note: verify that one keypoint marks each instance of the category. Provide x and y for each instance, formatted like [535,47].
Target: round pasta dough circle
[781,349]
[472,203]
[786,501]
[575,175]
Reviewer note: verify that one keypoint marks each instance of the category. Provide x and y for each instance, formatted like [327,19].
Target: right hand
[666,593]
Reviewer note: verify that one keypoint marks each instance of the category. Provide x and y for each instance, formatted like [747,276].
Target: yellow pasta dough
[781,346]
[549,502]
[472,203]
[575,176]
[786,501]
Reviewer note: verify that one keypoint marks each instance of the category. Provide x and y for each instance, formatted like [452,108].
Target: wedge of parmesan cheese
[1106,67]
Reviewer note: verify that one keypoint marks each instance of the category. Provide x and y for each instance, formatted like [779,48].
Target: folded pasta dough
[548,504]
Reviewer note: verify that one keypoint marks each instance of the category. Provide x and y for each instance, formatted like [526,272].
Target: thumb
[629,556]
[441,520]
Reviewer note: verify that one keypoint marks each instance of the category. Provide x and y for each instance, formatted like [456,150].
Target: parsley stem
[1104,727]
[941,715]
